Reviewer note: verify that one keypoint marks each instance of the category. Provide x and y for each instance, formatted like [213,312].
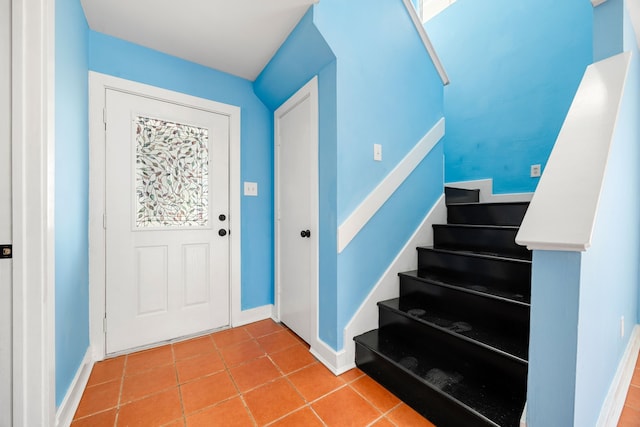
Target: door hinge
[6,251]
[104,324]
[104,221]
[104,118]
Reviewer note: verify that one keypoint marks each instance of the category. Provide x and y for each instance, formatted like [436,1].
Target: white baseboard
[486,191]
[614,402]
[366,317]
[334,360]
[68,407]
[253,315]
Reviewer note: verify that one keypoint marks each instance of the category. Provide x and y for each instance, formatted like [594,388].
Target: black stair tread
[459,380]
[497,213]
[501,340]
[476,226]
[468,286]
[461,195]
[499,257]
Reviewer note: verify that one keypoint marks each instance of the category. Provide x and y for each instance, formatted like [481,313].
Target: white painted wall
[5,212]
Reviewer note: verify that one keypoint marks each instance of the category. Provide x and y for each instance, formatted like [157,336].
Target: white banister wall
[562,213]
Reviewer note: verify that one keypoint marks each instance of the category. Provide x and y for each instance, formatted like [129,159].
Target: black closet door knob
[222,217]
[305,233]
[222,232]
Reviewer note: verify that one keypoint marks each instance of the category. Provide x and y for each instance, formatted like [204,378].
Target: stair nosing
[473,254]
[513,357]
[426,383]
[437,282]
[489,203]
[472,226]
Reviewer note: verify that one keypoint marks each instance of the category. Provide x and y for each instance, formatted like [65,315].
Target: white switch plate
[377,152]
[536,170]
[250,188]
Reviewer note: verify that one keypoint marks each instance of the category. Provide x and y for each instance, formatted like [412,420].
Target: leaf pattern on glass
[172,174]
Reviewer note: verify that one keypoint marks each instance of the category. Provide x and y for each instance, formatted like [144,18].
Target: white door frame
[98,84]
[309,90]
[33,156]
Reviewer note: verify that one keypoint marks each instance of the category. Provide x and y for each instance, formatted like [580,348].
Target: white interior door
[6,294]
[167,209]
[296,126]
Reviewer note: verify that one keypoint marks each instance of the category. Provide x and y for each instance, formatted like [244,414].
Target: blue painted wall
[378,100]
[607,30]
[514,68]
[118,58]
[71,191]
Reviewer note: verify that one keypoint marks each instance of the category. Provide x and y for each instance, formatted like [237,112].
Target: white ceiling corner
[238,37]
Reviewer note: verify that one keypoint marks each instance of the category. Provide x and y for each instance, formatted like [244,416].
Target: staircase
[454,345]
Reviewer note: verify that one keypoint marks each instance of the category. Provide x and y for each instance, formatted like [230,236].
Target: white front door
[296,127]
[167,209]
[6,294]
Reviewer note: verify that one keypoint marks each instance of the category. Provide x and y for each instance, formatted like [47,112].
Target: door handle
[222,232]
[305,233]
[222,217]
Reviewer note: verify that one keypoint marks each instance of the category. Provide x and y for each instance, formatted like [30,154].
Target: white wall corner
[253,315]
[366,317]
[614,401]
[69,405]
[633,6]
[486,191]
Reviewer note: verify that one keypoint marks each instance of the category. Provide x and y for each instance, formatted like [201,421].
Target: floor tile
[231,413]
[345,408]
[241,353]
[383,422]
[148,382]
[148,359]
[193,347]
[293,358]
[198,366]
[315,381]
[253,374]
[156,410]
[633,397]
[207,391]
[99,398]
[635,380]
[352,375]
[103,419]
[278,341]
[304,417]
[230,337]
[405,416]
[107,370]
[177,423]
[381,398]
[630,417]
[272,401]
[262,328]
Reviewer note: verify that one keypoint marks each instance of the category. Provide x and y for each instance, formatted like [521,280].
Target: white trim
[633,7]
[337,362]
[427,43]
[69,405]
[310,90]
[614,402]
[98,84]
[523,417]
[254,315]
[555,220]
[33,160]
[366,317]
[596,3]
[379,196]
[486,191]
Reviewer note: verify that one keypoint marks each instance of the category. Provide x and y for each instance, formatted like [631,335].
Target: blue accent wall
[607,31]
[514,68]
[119,58]
[71,192]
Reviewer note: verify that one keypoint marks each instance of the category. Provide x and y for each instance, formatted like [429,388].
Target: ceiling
[235,36]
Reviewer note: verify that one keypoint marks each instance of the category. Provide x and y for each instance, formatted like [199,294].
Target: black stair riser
[427,401]
[460,195]
[507,314]
[503,371]
[487,213]
[496,240]
[483,270]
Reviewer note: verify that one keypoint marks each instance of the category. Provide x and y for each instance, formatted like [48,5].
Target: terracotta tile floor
[257,375]
[631,412]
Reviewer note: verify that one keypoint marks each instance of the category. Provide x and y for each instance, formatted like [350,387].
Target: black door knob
[222,232]
[305,233]
[222,217]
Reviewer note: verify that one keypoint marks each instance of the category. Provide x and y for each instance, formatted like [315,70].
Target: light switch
[250,188]
[377,152]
